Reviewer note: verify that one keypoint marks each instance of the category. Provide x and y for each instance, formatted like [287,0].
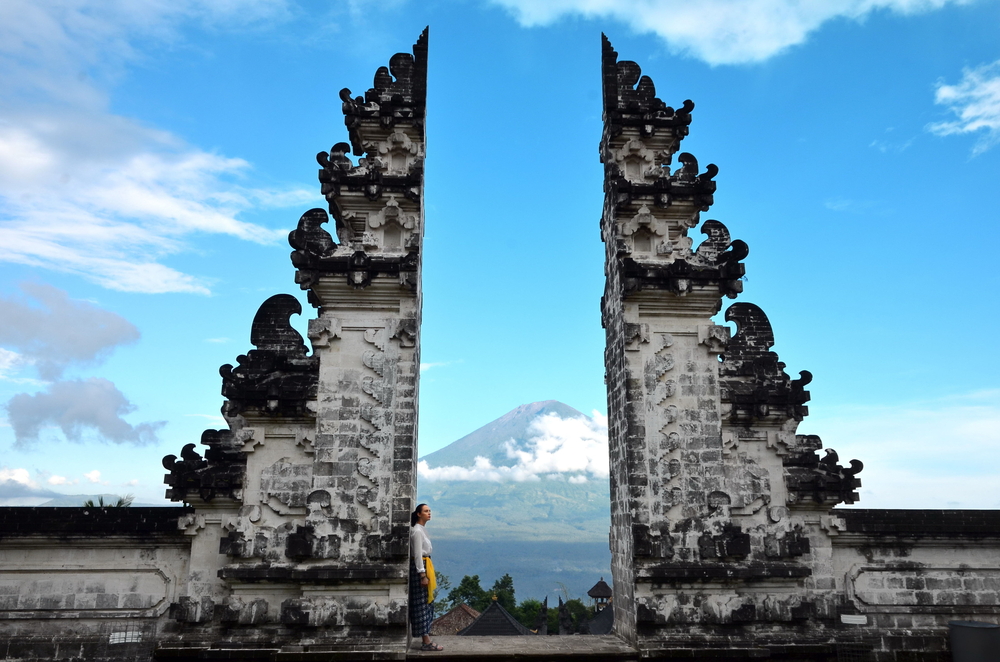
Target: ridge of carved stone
[398,94]
[630,97]
[277,378]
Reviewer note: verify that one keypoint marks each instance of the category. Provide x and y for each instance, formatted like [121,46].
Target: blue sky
[154,155]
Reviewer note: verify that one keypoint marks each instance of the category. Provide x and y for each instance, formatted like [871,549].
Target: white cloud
[939,454]
[976,102]
[424,367]
[60,480]
[718,31]
[18,489]
[20,476]
[76,406]
[38,329]
[10,363]
[572,448]
[88,192]
[93,476]
[888,146]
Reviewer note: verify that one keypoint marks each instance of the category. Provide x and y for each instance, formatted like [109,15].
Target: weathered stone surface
[293,545]
[723,539]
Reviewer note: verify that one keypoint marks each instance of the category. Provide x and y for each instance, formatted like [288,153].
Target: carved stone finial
[753,380]
[630,98]
[309,236]
[398,93]
[272,330]
[277,378]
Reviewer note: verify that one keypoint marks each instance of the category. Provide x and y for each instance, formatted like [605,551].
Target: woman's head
[420,514]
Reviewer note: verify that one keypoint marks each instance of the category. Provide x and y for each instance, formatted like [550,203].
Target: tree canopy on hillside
[471,592]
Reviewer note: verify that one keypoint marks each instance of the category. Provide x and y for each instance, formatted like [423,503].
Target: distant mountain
[489,441]
[549,534]
[78,499]
[547,509]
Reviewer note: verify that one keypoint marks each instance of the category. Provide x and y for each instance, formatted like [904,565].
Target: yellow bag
[431,579]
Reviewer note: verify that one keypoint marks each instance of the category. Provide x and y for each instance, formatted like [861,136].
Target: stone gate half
[725,540]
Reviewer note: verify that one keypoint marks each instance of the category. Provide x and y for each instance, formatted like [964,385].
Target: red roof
[457,619]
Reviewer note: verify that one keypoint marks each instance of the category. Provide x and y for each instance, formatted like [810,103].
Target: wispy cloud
[863,207]
[89,192]
[921,455]
[215,418]
[60,480]
[886,146]
[38,328]
[77,407]
[573,449]
[11,363]
[976,102]
[719,31]
[424,367]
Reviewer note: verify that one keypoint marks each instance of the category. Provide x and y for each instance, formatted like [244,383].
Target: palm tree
[122,502]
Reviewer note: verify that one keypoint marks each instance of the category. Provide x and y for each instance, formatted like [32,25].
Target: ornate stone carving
[752,379]
[277,378]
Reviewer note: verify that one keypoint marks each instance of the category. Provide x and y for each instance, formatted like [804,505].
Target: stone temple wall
[296,535]
[292,543]
[725,540]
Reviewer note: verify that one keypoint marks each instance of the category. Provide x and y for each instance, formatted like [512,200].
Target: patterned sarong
[421,611]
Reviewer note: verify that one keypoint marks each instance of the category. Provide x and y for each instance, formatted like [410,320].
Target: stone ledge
[318,574]
[705,572]
[974,523]
[16,521]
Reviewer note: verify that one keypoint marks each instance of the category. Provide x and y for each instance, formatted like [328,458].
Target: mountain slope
[489,441]
[547,533]
[544,510]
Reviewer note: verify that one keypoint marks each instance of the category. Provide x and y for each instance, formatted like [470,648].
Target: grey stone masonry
[724,539]
[302,508]
[293,540]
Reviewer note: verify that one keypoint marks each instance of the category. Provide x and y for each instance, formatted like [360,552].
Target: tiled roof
[458,618]
[601,590]
[601,623]
[495,622]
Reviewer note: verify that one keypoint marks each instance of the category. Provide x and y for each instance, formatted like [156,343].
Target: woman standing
[421,578]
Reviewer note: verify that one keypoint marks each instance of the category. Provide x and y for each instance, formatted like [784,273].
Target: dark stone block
[133,521]
[293,613]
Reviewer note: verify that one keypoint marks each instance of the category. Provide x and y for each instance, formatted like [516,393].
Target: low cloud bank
[943,453]
[572,449]
[16,484]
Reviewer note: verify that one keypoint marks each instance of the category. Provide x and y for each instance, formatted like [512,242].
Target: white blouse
[420,545]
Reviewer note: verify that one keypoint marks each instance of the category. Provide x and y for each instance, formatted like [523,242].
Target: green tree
[122,502]
[527,612]
[503,591]
[578,612]
[470,592]
[443,586]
